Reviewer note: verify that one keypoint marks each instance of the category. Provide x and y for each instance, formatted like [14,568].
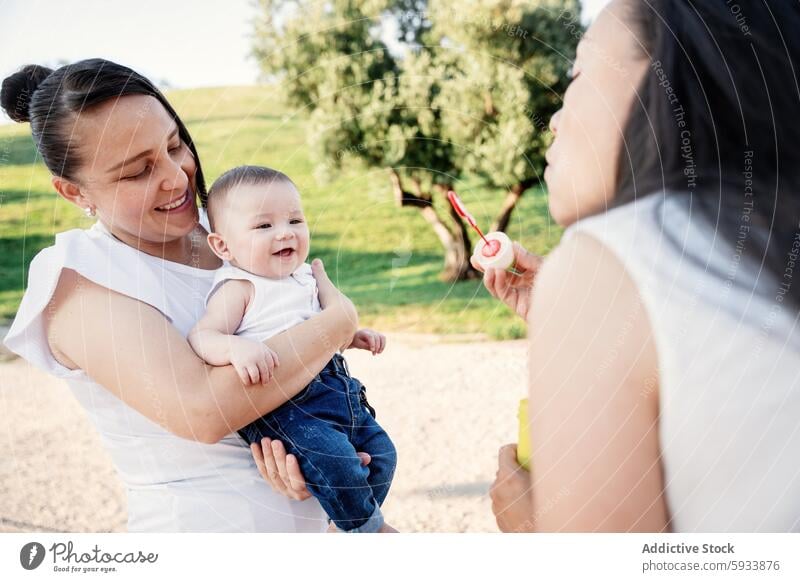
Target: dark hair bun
[18,89]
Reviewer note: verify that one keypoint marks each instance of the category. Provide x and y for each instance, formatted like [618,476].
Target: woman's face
[582,160]
[135,170]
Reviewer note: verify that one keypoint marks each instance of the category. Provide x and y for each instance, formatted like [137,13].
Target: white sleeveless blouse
[277,304]
[728,349]
[172,484]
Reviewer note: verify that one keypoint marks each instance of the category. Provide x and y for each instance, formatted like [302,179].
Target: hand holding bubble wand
[496,251]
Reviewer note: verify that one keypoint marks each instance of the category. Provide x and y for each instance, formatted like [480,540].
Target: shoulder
[235,287]
[78,303]
[91,260]
[583,269]
[231,283]
[86,263]
[86,276]
[587,309]
[635,231]
[74,289]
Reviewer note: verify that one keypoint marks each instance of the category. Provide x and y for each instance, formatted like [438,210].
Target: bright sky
[187,43]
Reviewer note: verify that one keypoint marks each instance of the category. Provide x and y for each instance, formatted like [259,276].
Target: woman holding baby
[664,356]
[109,308]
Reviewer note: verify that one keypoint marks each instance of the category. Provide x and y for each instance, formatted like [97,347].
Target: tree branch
[455,241]
[510,203]
[404,197]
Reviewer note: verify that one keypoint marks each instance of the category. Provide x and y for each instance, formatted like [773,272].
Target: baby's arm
[213,339]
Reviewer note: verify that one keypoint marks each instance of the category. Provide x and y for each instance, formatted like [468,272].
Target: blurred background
[374,108]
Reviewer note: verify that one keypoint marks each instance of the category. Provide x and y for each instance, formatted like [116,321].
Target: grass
[387,259]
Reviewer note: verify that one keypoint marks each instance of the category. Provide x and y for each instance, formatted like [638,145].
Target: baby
[264,288]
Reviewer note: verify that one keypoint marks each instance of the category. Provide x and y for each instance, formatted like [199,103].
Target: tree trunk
[509,204]
[456,243]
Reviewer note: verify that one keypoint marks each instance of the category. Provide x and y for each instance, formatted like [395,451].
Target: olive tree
[467,94]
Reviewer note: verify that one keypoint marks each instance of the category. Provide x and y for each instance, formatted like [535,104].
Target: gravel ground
[448,407]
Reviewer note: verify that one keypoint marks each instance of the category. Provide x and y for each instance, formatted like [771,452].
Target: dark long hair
[49,100]
[718,116]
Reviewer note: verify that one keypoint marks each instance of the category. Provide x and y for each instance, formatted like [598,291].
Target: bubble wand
[463,213]
[497,251]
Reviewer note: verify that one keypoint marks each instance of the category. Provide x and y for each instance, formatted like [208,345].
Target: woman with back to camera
[108,308]
[664,349]
[664,345]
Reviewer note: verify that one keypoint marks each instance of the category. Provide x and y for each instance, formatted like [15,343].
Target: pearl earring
[89,211]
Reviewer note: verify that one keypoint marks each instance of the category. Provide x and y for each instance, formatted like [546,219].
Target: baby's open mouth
[284,253]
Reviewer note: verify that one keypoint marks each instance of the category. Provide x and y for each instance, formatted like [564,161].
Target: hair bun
[18,89]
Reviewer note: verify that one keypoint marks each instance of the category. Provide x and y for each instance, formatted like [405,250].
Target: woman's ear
[70,191]
[218,245]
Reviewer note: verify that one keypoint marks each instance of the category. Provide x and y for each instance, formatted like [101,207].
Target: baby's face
[264,229]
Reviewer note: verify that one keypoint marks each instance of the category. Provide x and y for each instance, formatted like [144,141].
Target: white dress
[172,484]
[728,347]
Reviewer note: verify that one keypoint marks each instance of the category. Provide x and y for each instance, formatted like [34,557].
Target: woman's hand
[282,471]
[513,290]
[512,503]
[331,297]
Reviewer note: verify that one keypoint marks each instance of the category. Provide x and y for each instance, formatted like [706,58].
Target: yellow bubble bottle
[524,439]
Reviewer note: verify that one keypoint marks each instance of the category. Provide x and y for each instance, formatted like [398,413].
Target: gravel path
[448,407]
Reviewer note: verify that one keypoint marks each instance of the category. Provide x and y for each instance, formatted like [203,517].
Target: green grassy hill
[385,258]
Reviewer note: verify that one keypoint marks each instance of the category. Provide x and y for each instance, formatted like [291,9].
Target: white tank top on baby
[277,304]
[729,367]
[172,484]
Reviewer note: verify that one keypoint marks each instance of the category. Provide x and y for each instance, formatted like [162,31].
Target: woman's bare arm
[130,348]
[596,463]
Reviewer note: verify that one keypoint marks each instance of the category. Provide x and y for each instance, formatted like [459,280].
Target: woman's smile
[179,204]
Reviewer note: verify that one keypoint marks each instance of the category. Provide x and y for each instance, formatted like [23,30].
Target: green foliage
[514,56]
[488,122]
[471,96]
[392,126]
[315,48]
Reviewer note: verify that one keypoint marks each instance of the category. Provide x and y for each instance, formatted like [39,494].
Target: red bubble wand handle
[463,213]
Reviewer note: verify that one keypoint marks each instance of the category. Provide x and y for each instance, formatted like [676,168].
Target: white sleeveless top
[277,304]
[729,366]
[173,484]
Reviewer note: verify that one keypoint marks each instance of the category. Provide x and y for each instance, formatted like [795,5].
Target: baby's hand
[253,360]
[368,339]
